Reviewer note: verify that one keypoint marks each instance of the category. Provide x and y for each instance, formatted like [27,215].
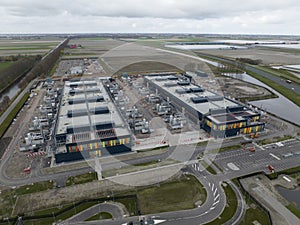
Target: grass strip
[207,167]
[293,209]
[8,120]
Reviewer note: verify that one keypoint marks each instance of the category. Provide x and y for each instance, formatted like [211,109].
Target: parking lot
[280,153]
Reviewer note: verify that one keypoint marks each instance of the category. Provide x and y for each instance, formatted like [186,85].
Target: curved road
[112,208]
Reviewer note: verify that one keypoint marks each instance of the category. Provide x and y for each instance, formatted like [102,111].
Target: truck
[27,169]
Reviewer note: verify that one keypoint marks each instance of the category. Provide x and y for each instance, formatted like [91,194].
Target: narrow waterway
[12,92]
[280,106]
[290,195]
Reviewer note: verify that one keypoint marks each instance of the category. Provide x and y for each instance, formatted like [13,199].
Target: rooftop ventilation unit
[172,78]
[83,100]
[170,84]
[235,108]
[183,83]
[100,110]
[77,113]
[198,100]
[196,90]
[215,98]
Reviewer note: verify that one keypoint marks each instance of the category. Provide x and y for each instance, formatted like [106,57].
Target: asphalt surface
[216,199]
[259,160]
[208,211]
[114,209]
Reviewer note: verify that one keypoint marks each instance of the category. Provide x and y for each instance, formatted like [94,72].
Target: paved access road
[114,209]
[212,207]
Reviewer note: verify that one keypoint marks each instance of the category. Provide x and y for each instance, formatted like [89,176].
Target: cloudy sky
[186,16]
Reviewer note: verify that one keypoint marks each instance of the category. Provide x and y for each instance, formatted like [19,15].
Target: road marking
[215,191]
[216,202]
[216,197]
[158,221]
[274,156]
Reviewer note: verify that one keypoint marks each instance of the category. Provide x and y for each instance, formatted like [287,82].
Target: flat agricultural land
[27,46]
[4,65]
[269,56]
[90,47]
[130,53]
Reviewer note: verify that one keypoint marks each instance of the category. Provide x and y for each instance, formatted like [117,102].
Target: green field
[280,73]
[4,65]
[151,199]
[208,167]
[230,148]
[293,208]
[274,139]
[83,178]
[8,197]
[165,197]
[254,213]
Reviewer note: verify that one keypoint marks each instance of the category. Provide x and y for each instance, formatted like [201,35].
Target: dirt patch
[240,89]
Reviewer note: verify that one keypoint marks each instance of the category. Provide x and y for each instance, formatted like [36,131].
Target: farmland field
[27,46]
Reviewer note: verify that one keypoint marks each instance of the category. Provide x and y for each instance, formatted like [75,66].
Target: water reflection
[290,195]
[11,93]
[280,106]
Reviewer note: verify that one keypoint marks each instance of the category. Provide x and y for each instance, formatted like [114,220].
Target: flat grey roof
[113,116]
[179,92]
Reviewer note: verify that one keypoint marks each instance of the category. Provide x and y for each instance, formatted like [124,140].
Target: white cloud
[193,16]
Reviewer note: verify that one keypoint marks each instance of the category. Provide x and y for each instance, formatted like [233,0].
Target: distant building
[88,123]
[73,46]
[76,70]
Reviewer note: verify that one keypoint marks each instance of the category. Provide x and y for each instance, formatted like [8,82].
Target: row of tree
[11,58]
[26,69]
[44,66]
[18,69]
